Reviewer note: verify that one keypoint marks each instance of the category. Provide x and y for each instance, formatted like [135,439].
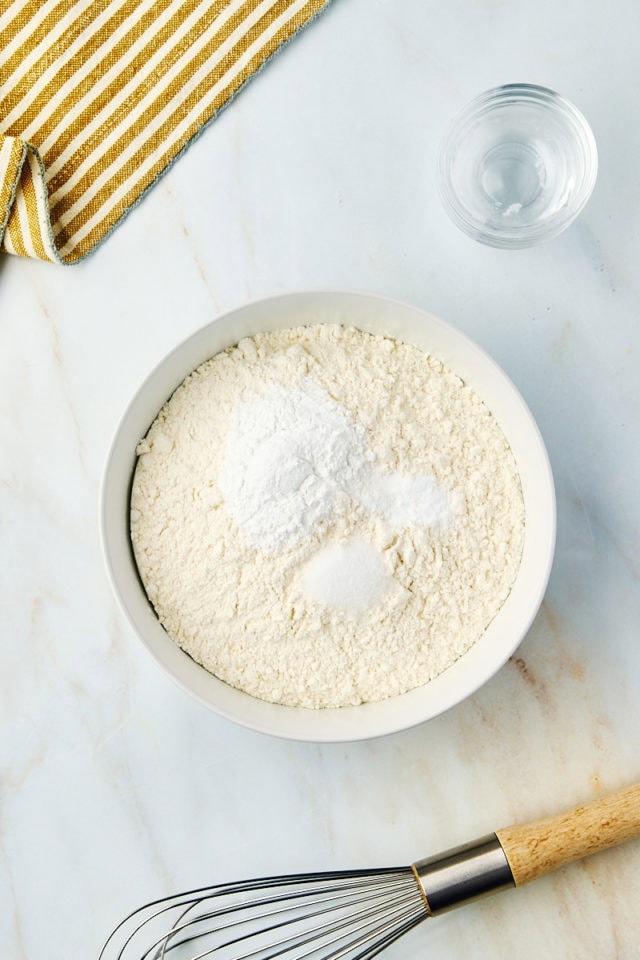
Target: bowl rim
[351,723]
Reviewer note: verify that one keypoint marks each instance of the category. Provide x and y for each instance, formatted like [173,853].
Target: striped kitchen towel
[98,97]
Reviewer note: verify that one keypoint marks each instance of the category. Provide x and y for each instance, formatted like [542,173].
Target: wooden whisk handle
[535,848]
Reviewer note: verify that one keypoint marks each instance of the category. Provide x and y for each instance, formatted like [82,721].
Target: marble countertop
[116,787]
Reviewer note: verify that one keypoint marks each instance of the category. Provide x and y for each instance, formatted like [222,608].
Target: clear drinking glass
[517,166]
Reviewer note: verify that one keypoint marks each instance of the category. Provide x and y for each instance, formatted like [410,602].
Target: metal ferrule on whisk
[463,874]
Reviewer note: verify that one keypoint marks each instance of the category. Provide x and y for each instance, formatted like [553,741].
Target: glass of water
[518,165]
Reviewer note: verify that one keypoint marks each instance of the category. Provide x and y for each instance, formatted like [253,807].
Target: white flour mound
[324,517]
[287,455]
[291,454]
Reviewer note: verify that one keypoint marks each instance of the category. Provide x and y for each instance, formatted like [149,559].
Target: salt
[350,576]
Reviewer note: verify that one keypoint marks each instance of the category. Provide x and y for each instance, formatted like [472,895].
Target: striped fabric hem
[25,229]
[99,97]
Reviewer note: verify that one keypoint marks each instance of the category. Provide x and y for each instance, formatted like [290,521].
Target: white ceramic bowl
[376,315]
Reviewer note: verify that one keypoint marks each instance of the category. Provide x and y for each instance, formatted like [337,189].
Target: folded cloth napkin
[98,97]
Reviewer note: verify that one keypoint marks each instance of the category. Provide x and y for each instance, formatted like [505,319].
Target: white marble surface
[115,786]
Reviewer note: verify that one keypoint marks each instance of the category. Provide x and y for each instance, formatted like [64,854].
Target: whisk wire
[311,934]
[391,894]
[338,916]
[388,920]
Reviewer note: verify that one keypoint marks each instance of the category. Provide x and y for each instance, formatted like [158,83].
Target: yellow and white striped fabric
[98,97]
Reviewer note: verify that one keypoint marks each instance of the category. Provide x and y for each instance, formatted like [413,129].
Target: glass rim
[521,235]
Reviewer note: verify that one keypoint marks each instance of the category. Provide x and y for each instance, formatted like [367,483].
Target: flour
[323,517]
